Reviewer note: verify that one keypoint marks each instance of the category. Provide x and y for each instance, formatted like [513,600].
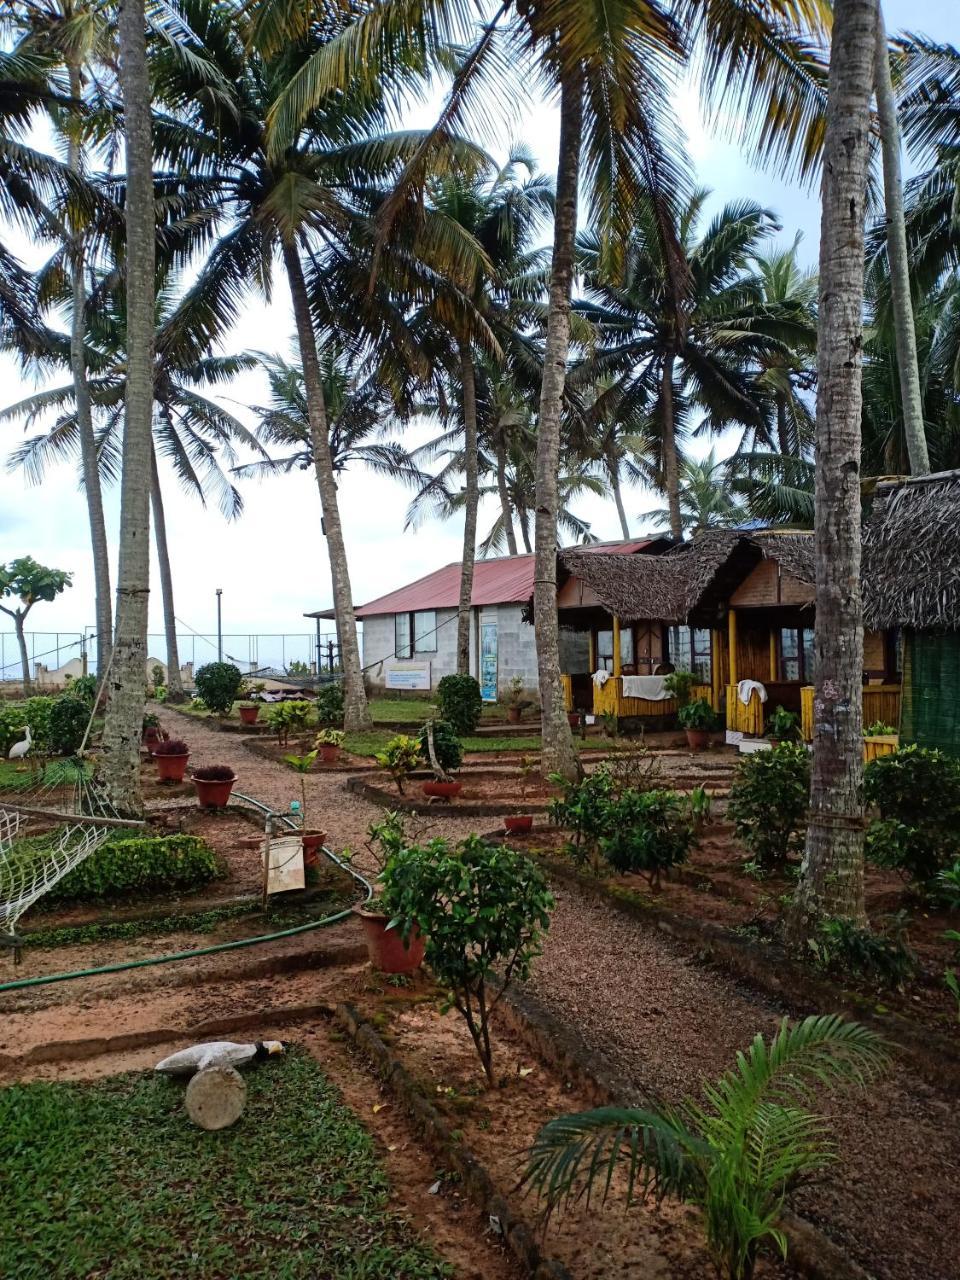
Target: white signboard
[412,676]
[286,864]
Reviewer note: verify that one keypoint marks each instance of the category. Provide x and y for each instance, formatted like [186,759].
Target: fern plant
[736,1155]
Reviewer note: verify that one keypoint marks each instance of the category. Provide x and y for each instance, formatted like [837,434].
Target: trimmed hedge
[139,866]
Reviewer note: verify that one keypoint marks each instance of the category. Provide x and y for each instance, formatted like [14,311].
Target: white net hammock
[51,819]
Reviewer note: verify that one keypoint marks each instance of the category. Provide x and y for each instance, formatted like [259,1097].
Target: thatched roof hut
[911,554]
[693,575]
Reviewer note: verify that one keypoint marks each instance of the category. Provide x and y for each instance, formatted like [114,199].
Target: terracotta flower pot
[171,768]
[312,842]
[386,947]
[574,719]
[329,753]
[514,714]
[213,795]
[445,789]
[697,739]
[248,715]
[518,822]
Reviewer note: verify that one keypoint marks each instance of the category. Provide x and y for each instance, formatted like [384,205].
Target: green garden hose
[48,978]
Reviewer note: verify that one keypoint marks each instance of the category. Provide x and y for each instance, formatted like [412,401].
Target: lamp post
[219,626]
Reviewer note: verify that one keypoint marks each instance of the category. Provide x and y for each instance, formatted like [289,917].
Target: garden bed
[486,793]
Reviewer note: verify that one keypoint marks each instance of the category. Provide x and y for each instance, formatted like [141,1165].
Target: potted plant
[698,720]
[310,839]
[388,949]
[328,742]
[441,749]
[249,710]
[681,685]
[574,719]
[171,756]
[879,739]
[516,704]
[152,732]
[517,823]
[213,782]
[782,726]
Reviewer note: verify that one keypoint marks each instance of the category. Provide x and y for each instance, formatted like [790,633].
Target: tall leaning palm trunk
[81,390]
[471,471]
[558,751]
[124,717]
[831,877]
[174,682]
[671,465]
[905,332]
[356,712]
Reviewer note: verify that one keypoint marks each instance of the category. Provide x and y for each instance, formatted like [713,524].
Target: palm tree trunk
[174,682]
[831,876]
[671,470]
[472,478]
[783,439]
[903,321]
[558,752]
[123,723]
[524,518]
[356,712]
[506,511]
[614,475]
[81,394]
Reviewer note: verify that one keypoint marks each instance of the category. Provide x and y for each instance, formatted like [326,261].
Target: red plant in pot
[248,712]
[171,756]
[445,790]
[214,782]
[517,823]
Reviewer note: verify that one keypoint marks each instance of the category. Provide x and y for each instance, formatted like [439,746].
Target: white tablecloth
[650,688]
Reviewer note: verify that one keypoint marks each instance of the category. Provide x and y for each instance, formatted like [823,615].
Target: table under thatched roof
[911,554]
[671,586]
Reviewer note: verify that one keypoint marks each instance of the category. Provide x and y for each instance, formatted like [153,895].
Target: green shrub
[481,909]
[36,713]
[948,886]
[446,746]
[218,684]
[769,801]
[917,791]
[585,809]
[84,688]
[681,684]
[783,724]
[840,947]
[698,715]
[288,717]
[399,757]
[139,866]
[460,703]
[12,720]
[68,723]
[329,705]
[650,832]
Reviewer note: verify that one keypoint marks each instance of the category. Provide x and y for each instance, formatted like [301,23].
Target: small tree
[30,582]
[218,684]
[460,703]
[736,1155]
[768,802]
[482,909]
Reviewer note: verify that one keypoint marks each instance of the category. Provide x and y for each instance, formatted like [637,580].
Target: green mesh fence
[931,690]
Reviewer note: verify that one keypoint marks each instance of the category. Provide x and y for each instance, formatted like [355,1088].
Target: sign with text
[414,676]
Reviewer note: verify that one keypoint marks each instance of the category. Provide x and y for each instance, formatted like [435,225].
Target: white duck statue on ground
[20,750]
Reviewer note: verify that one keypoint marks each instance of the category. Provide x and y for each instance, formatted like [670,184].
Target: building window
[797,658]
[626,646]
[415,633]
[604,650]
[690,649]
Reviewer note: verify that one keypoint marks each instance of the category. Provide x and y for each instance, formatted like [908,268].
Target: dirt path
[666,1024]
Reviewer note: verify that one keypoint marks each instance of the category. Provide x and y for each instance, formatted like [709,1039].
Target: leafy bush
[214,773]
[329,705]
[218,684]
[917,791]
[585,809]
[948,885]
[783,724]
[171,747]
[460,703]
[142,865]
[288,717]
[769,800]
[68,723]
[840,947]
[481,909]
[879,730]
[84,688]
[399,757]
[650,832]
[36,713]
[698,715]
[681,685]
[446,745]
[12,721]
[329,738]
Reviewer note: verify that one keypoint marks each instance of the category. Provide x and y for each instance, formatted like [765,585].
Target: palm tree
[737,1154]
[120,760]
[706,499]
[831,875]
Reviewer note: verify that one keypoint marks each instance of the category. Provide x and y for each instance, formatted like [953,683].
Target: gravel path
[665,1023]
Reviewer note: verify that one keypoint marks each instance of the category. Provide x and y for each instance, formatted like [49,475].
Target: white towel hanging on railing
[600,678]
[747,688]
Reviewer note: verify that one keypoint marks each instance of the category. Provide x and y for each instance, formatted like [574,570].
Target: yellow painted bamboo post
[732,642]
[716,675]
[593,653]
[773,655]
[616,646]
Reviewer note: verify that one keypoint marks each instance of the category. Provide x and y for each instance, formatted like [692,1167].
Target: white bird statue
[218,1053]
[20,750]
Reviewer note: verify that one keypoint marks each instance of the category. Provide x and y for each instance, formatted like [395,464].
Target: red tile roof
[505,581]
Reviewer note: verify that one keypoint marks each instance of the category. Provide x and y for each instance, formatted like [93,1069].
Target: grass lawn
[24,775]
[112,1179]
[368,744]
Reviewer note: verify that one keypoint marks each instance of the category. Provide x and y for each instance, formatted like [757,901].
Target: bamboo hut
[911,574]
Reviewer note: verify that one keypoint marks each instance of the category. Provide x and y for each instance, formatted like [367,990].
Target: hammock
[47,827]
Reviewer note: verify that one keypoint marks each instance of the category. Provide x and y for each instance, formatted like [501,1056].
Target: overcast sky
[272,563]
